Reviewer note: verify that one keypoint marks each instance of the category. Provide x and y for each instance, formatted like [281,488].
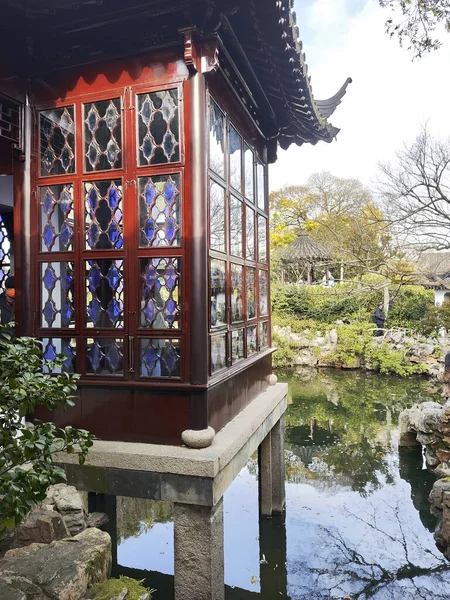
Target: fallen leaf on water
[253,579]
[263,561]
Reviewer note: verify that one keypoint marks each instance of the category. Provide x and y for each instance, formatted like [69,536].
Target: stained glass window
[218,352]
[260,186]
[103,135]
[57,218]
[251,297]
[217,217]
[251,340]
[158,128]
[104,356]
[236,293]
[264,334]
[263,304]
[52,347]
[235,226]
[160,288]
[103,214]
[5,254]
[159,211]
[160,357]
[218,311]
[235,159]
[248,173]
[262,239]
[216,139]
[57,293]
[57,137]
[250,233]
[104,293]
[237,345]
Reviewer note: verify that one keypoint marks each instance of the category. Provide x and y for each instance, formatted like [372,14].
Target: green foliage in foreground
[26,455]
[113,587]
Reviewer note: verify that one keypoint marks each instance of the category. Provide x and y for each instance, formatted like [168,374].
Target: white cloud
[390,97]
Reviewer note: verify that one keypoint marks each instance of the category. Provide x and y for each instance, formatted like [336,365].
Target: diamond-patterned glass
[216,139]
[235,226]
[103,135]
[218,306]
[218,352]
[264,334]
[262,239]
[251,297]
[250,233]
[237,345]
[217,217]
[235,159]
[57,141]
[160,357]
[158,128]
[57,218]
[251,340]
[104,293]
[236,293]
[5,255]
[52,347]
[260,186]
[57,295]
[263,292]
[159,211]
[103,214]
[160,289]
[104,356]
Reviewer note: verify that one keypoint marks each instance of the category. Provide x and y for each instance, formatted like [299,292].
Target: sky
[390,99]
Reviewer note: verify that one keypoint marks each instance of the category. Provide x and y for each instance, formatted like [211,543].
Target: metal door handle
[130,354]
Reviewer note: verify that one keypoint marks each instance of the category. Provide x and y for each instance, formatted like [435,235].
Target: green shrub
[385,360]
[352,343]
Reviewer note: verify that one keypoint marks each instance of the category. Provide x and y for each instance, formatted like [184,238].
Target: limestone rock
[333,336]
[62,570]
[436,496]
[7,592]
[66,500]
[41,526]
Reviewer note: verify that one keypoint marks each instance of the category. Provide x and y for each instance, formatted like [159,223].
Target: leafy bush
[352,343]
[26,454]
[385,360]
[409,306]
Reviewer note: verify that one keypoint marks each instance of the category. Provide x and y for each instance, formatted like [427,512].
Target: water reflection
[357,523]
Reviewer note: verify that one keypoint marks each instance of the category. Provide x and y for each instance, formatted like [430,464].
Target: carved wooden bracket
[190,49]
[200,54]
[210,55]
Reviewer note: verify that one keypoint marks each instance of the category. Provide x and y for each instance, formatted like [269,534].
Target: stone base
[201,438]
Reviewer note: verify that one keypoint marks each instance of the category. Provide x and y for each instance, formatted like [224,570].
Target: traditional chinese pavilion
[135,139]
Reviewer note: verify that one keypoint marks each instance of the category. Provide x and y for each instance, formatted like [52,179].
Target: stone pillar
[272,550]
[199,560]
[278,467]
[265,476]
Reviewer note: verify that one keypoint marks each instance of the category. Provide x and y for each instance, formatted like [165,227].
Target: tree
[417,22]
[290,208]
[26,454]
[416,191]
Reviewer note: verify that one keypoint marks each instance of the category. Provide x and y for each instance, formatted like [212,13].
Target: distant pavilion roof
[304,249]
[433,269]
[259,42]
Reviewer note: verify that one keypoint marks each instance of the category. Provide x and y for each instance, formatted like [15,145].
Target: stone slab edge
[205,462]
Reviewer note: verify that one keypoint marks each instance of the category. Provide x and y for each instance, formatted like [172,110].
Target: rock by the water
[62,570]
[97,519]
[66,500]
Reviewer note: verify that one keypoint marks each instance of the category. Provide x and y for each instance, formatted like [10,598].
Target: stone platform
[195,481]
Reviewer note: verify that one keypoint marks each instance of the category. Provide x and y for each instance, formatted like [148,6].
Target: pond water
[357,522]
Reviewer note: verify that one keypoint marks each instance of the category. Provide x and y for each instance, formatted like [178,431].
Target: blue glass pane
[149,312]
[168,144]
[170,357]
[93,198]
[113,276]
[149,193]
[65,235]
[48,202]
[149,358]
[114,310]
[48,235]
[170,229]
[94,311]
[113,357]
[170,276]
[65,200]
[49,312]
[95,356]
[66,313]
[114,196]
[49,278]
[149,229]
[94,277]
[93,235]
[69,352]
[66,280]
[49,352]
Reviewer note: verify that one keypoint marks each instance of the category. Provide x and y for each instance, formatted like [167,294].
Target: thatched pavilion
[305,253]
